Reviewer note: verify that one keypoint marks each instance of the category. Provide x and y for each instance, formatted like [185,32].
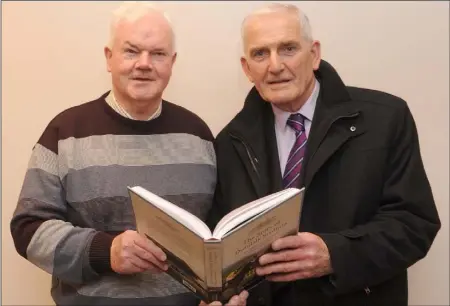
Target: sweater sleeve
[40,229]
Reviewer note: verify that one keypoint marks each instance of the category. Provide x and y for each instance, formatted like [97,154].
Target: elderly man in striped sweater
[74,218]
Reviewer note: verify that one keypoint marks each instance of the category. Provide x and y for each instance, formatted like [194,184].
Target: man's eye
[258,53]
[130,51]
[289,49]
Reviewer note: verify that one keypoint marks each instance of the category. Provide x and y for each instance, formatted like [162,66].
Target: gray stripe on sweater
[44,187]
[64,294]
[44,159]
[63,255]
[140,285]
[133,150]
[197,204]
[39,210]
[112,181]
[116,213]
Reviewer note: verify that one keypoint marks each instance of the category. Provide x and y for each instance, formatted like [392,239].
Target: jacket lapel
[337,118]
[328,134]
[251,160]
[256,149]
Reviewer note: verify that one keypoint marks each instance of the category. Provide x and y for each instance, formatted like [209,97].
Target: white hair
[132,11]
[305,26]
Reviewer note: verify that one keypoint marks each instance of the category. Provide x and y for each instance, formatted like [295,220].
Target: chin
[279,98]
[278,95]
[143,95]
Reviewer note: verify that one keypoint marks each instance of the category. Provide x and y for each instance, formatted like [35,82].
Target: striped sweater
[74,198]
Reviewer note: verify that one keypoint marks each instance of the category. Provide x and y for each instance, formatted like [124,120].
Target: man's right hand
[134,253]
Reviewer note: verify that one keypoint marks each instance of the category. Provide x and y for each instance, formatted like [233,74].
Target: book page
[184,249]
[246,244]
[183,216]
[247,211]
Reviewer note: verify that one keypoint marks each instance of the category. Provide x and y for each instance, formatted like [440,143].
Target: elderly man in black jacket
[368,212]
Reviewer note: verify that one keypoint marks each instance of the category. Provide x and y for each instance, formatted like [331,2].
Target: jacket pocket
[351,233]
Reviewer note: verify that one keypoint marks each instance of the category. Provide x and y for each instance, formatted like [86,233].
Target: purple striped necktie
[294,163]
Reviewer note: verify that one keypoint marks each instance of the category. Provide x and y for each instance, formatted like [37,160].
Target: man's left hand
[236,300]
[300,256]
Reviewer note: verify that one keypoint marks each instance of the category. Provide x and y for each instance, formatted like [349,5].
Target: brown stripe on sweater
[23,230]
[98,118]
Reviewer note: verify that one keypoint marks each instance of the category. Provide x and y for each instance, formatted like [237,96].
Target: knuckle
[126,256]
[311,254]
[308,266]
[298,275]
[144,254]
[126,233]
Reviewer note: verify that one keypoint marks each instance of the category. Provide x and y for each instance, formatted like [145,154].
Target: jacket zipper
[247,149]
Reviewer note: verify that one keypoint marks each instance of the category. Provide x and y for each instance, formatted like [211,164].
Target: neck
[137,109]
[296,105]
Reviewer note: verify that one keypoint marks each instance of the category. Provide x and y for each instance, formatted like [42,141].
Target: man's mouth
[278,81]
[142,79]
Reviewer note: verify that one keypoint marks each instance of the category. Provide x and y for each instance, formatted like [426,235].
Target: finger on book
[150,247]
[149,257]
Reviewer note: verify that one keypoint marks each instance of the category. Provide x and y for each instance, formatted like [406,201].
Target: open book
[219,264]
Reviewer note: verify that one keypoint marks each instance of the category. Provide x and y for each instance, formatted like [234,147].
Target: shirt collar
[307,110]
[112,102]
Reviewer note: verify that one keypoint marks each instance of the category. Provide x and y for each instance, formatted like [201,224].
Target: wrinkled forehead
[271,29]
[148,31]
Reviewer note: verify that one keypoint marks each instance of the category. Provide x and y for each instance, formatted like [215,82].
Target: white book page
[247,211]
[189,220]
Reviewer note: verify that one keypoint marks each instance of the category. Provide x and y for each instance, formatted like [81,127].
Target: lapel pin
[352,128]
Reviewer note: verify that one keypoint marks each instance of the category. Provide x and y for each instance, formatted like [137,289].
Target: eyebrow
[159,49]
[131,45]
[282,44]
[290,42]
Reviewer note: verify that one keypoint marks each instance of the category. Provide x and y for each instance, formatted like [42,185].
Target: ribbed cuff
[100,252]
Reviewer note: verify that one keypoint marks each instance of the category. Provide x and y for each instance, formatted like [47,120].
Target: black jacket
[367,193]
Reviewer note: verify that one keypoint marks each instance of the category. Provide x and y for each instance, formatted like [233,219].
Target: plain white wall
[52,58]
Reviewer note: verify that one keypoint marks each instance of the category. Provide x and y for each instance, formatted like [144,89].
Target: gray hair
[305,26]
[132,11]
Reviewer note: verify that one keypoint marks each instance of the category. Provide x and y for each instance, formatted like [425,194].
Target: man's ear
[246,68]
[108,55]
[316,54]
[174,58]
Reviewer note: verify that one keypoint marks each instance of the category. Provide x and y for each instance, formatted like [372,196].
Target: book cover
[182,272]
[215,268]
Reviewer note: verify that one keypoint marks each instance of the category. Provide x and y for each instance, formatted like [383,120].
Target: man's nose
[144,61]
[275,64]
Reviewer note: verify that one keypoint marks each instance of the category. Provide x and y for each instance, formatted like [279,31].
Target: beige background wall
[52,58]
